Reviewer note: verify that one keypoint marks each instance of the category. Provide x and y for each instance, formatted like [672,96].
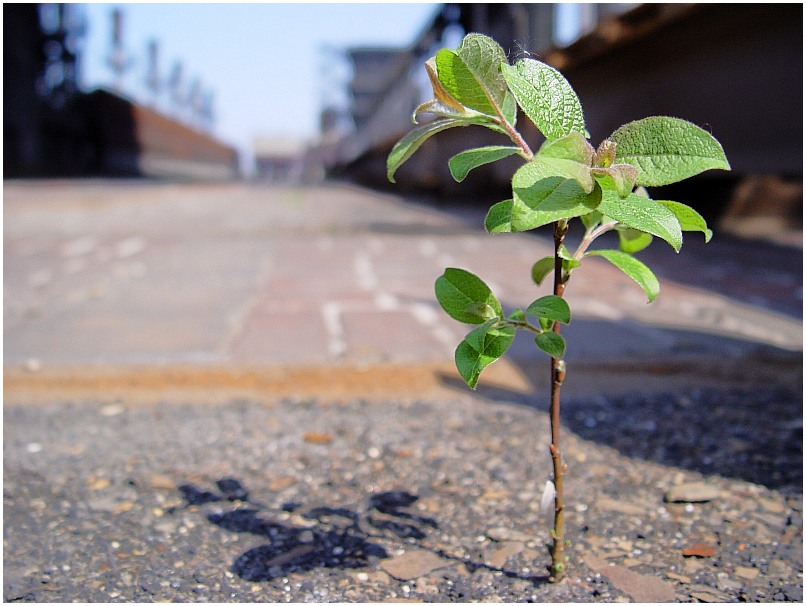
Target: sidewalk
[234,284]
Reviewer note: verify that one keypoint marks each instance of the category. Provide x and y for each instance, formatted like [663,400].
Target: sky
[269,65]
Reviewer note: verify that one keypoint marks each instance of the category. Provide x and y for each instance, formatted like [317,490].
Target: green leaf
[409,144]
[546,98]
[666,150]
[465,297]
[499,218]
[690,219]
[550,307]
[461,164]
[471,74]
[538,200]
[541,269]
[643,214]
[631,240]
[480,348]
[633,268]
[552,343]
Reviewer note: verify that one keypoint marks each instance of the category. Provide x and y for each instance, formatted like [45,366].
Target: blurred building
[52,128]
[736,70]
[279,159]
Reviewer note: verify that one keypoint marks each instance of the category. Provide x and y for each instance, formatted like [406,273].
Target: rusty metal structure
[734,69]
[52,128]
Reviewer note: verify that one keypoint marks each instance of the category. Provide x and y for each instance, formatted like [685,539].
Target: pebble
[413,564]
[693,492]
[112,410]
[502,534]
[640,587]
[746,573]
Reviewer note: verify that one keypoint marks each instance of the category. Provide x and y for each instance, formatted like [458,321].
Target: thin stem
[590,236]
[557,549]
[516,137]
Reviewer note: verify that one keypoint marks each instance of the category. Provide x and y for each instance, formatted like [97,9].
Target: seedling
[565,179]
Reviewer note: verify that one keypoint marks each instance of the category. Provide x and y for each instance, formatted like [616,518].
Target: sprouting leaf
[546,98]
[572,146]
[461,164]
[666,150]
[552,343]
[550,307]
[541,269]
[538,200]
[633,268]
[409,144]
[690,219]
[632,241]
[480,348]
[437,108]
[442,96]
[591,220]
[465,297]
[499,218]
[510,109]
[569,262]
[605,154]
[643,214]
[618,177]
[471,74]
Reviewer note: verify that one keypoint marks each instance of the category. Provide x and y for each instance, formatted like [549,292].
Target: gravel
[313,501]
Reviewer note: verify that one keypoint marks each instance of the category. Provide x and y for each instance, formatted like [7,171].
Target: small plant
[565,178]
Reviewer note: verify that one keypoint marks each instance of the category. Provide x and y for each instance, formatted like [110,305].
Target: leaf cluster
[565,178]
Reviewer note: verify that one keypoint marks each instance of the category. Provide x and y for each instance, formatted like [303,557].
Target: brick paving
[109,274]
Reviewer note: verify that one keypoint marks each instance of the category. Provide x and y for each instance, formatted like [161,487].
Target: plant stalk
[557,548]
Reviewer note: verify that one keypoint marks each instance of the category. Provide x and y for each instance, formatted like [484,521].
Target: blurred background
[299,93]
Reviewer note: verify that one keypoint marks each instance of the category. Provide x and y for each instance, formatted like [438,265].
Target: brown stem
[557,549]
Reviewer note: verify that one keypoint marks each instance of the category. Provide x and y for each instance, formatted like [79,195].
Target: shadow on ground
[321,537]
[753,433]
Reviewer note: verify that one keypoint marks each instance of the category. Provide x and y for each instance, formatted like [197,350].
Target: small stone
[778,569]
[503,552]
[494,494]
[699,550]
[161,482]
[413,564]
[33,365]
[711,596]
[33,447]
[502,534]
[678,577]
[318,438]
[694,492]
[640,587]
[772,506]
[98,483]
[618,506]
[112,410]
[746,573]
